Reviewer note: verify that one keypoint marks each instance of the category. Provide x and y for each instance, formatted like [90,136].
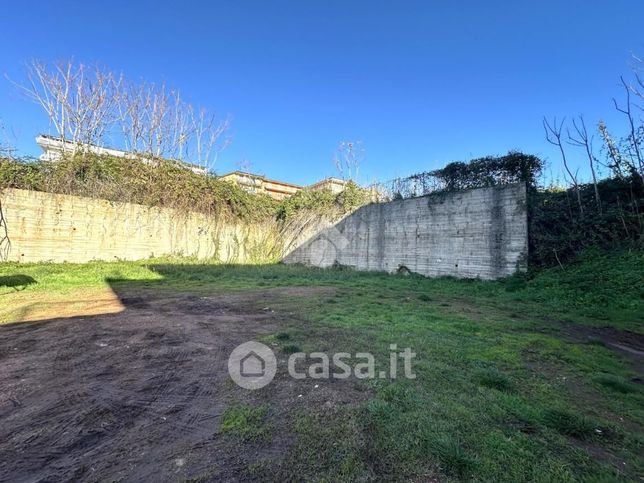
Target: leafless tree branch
[553,136]
[583,141]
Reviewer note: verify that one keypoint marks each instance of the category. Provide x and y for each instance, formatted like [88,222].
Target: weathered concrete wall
[476,233]
[61,228]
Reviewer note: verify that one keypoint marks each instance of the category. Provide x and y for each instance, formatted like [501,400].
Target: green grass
[246,422]
[504,391]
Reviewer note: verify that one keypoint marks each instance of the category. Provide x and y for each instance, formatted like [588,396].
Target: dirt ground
[138,395]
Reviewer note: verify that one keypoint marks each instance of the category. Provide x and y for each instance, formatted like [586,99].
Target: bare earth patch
[25,306]
[139,394]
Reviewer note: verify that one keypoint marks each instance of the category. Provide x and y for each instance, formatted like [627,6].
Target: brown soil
[138,395]
[27,307]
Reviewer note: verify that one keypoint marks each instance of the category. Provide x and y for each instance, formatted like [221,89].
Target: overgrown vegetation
[514,167]
[324,202]
[559,230]
[563,221]
[169,184]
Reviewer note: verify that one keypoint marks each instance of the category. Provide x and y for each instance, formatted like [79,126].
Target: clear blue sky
[420,83]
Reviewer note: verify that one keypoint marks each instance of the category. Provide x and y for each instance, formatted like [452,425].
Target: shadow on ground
[16,282]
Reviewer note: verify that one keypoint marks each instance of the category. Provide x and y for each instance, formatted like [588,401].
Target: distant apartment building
[55,148]
[255,183]
[336,185]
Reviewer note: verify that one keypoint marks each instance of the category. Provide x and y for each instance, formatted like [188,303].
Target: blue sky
[419,83]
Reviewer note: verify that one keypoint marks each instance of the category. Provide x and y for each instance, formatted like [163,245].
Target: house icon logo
[252,365]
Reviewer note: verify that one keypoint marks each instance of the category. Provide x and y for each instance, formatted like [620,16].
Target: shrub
[324,201]
[514,167]
[559,231]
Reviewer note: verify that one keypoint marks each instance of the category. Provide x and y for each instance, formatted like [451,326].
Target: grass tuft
[291,348]
[453,456]
[495,379]
[246,422]
[282,336]
[569,423]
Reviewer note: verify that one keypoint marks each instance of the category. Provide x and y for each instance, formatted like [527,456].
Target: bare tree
[210,138]
[347,159]
[78,99]
[91,106]
[583,141]
[156,120]
[613,150]
[636,133]
[637,87]
[49,90]
[5,241]
[245,165]
[85,104]
[131,104]
[553,136]
[6,146]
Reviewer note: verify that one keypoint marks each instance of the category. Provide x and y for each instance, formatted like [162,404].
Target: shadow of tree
[17,282]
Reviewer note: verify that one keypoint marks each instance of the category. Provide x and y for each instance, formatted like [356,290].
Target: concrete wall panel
[475,233]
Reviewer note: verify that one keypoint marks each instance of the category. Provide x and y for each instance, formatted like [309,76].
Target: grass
[495,379]
[615,383]
[504,391]
[246,422]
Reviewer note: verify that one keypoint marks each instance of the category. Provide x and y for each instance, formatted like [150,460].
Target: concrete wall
[476,233]
[61,228]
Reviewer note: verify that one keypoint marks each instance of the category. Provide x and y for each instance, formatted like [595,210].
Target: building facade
[55,148]
[255,183]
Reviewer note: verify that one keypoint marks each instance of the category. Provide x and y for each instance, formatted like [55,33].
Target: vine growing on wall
[5,242]
[167,184]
